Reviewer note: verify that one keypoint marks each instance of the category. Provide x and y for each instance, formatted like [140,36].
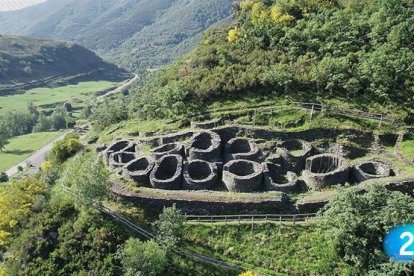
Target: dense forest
[357,51]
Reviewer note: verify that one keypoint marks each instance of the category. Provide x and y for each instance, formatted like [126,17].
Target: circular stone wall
[117,146]
[276,180]
[119,159]
[243,176]
[205,145]
[294,154]
[240,148]
[370,170]
[167,173]
[325,170]
[138,170]
[171,148]
[200,175]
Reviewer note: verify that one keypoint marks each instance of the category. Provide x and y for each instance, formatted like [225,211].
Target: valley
[251,137]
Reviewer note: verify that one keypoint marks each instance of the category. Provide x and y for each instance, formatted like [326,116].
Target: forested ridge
[357,51]
[26,60]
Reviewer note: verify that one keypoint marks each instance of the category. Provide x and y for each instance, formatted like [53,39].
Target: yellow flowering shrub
[233,35]
[16,202]
[279,17]
[248,273]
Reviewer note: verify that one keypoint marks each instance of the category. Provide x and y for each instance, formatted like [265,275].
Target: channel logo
[399,243]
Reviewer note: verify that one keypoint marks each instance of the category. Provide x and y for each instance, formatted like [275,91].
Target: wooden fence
[251,218]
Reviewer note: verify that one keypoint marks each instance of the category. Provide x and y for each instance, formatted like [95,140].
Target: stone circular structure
[276,180]
[294,154]
[325,170]
[205,145]
[199,175]
[119,159]
[166,149]
[138,170]
[241,148]
[167,173]
[117,147]
[243,176]
[370,170]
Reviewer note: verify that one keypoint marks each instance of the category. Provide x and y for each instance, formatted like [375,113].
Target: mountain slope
[356,53]
[114,28]
[27,60]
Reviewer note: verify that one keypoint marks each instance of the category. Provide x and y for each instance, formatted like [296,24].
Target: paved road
[119,89]
[36,159]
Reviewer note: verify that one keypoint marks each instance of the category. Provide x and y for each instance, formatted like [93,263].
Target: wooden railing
[251,218]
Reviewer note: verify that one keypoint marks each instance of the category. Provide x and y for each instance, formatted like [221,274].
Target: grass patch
[47,97]
[21,147]
[300,249]
[407,146]
[135,127]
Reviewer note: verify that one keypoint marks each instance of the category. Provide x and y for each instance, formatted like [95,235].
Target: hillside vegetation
[355,52]
[140,34]
[26,61]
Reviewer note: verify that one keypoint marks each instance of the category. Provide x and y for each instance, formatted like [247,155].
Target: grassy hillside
[349,53]
[25,61]
[155,31]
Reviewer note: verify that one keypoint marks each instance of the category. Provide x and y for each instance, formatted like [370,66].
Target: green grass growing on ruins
[286,249]
[407,146]
[135,127]
[21,147]
[49,97]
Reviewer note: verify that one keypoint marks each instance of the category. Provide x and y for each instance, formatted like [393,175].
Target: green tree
[88,178]
[3,177]
[142,258]
[43,123]
[110,112]
[170,228]
[59,118]
[4,137]
[358,223]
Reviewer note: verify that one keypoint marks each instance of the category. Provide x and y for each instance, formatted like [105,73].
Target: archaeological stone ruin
[222,160]
[235,159]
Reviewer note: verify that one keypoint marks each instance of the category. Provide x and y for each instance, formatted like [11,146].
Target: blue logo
[399,243]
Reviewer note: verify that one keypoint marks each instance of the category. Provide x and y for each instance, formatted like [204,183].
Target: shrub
[142,258]
[170,228]
[358,223]
[65,148]
[88,179]
[3,177]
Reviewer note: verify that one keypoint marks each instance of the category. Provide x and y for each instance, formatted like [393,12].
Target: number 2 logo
[403,250]
[399,243]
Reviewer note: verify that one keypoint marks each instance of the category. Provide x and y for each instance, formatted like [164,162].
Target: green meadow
[51,96]
[21,147]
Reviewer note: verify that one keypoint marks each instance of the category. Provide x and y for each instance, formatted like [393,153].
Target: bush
[358,223]
[142,258]
[170,228]
[88,178]
[3,177]
[66,148]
